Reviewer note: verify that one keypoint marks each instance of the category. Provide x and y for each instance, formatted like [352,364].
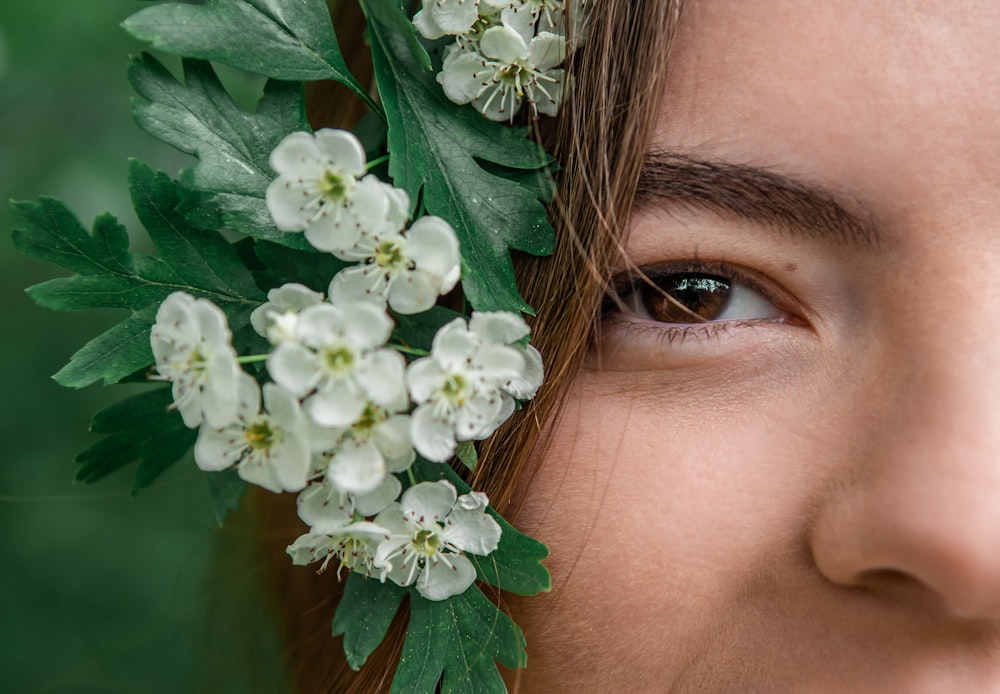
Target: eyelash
[626,285]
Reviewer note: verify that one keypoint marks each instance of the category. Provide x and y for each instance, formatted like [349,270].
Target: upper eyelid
[644,275]
[623,283]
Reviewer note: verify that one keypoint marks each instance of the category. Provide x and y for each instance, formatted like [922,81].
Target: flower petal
[381,376]
[293,367]
[392,438]
[378,499]
[319,507]
[333,231]
[464,78]
[500,327]
[220,396]
[217,449]
[336,405]
[503,44]
[433,439]
[425,24]
[294,152]
[343,149]
[423,377]
[254,472]
[413,292]
[428,501]
[472,531]
[548,95]
[433,246]
[454,16]
[357,468]
[546,51]
[366,326]
[285,198]
[358,283]
[499,363]
[525,385]
[453,344]
[438,581]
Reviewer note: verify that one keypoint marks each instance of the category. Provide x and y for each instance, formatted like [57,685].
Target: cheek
[662,510]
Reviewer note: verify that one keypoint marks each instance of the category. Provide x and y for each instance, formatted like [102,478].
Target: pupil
[688,298]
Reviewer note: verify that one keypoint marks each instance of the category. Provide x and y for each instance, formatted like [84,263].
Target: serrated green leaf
[108,275]
[199,258]
[52,233]
[516,564]
[275,38]
[226,187]
[112,355]
[226,488]
[140,428]
[364,614]
[435,147]
[457,641]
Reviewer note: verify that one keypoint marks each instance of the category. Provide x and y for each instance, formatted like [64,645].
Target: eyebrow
[758,195]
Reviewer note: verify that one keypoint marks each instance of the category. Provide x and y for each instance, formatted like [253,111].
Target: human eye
[693,298]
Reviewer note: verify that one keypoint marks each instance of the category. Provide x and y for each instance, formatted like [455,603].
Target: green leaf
[516,564]
[418,329]
[457,641]
[275,38]
[364,614]
[199,262]
[113,355]
[466,452]
[227,185]
[199,258]
[283,265]
[226,488]
[436,147]
[140,428]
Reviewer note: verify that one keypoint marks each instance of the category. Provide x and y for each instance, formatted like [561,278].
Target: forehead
[896,97]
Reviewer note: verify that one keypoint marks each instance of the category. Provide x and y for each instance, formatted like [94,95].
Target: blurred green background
[100,592]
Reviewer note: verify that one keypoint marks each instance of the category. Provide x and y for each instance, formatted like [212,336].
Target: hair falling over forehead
[600,139]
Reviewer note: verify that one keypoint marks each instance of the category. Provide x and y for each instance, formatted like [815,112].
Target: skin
[812,503]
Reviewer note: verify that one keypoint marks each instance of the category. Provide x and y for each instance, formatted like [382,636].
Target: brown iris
[686,298]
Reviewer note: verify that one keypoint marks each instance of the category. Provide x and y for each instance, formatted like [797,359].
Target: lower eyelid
[682,332]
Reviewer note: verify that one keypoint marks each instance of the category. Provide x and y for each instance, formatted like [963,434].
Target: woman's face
[804,494]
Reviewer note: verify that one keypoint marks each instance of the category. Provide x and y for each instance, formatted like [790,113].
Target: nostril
[899,586]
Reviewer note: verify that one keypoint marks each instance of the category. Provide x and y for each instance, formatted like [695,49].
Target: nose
[916,515]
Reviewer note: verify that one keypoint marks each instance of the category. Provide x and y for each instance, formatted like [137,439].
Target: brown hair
[600,140]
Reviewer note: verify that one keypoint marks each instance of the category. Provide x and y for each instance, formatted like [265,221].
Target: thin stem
[410,350]
[409,473]
[375,162]
[251,358]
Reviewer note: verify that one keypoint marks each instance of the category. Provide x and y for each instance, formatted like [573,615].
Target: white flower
[505,328]
[318,189]
[276,318]
[409,270]
[192,347]
[509,67]
[335,532]
[429,530]
[270,448]
[359,458]
[334,363]
[439,18]
[465,389]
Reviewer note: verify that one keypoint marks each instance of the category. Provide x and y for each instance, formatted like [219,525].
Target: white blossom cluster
[506,52]
[342,416]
